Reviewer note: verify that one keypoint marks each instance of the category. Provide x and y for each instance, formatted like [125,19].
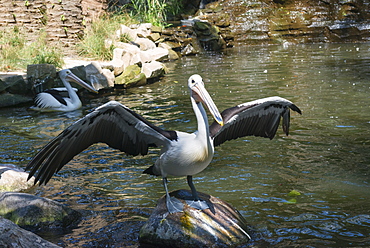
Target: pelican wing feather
[113,124]
[256,118]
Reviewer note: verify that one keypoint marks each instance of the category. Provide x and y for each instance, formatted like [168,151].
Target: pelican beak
[73,78]
[202,95]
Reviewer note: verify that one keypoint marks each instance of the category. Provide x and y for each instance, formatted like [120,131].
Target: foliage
[155,11]
[94,44]
[16,52]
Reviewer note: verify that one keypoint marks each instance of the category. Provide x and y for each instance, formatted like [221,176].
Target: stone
[153,69]
[219,226]
[17,85]
[126,32]
[13,178]
[117,62]
[145,44]
[131,77]
[188,50]
[8,99]
[41,76]
[109,75]
[158,54]
[128,47]
[156,29]
[209,36]
[94,74]
[154,37]
[172,55]
[37,213]
[12,236]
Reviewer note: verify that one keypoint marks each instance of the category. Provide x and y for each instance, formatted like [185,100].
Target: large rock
[153,69]
[8,99]
[209,36]
[131,77]
[12,236]
[13,178]
[41,76]
[36,213]
[94,74]
[219,226]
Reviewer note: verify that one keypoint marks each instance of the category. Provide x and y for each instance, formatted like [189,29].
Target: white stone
[153,69]
[145,44]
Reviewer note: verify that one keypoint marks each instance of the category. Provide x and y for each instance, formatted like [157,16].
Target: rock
[131,77]
[219,226]
[17,85]
[172,55]
[12,236]
[143,29]
[126,32]
[36,213]
[153,69]
[145,44]
[188,50]
[209,36]
[117,61]
[8,99]
[154,37]
[41,76]
[13,178]
[157,53]
[94,74]
[109,75]
[156,29]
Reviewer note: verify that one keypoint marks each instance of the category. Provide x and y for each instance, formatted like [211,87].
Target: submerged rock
[219,226]
[12,236]
[36,213]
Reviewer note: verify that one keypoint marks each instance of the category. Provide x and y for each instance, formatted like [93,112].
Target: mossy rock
[36,213]
[131,77]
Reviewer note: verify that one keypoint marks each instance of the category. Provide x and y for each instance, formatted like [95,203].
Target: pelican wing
[259,118]
[49,99]
[113,124]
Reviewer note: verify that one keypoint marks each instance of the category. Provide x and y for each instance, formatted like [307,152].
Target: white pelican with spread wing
[182,154]
[51,100]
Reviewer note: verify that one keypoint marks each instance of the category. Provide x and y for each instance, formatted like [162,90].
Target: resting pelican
[52,100]
[182,154]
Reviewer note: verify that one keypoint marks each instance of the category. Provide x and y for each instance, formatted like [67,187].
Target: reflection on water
[325,158]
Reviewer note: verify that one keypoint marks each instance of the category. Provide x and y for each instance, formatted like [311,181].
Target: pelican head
[199,93]
[68,76]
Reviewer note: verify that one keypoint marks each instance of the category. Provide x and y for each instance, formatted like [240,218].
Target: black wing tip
[295,108]
[149,171]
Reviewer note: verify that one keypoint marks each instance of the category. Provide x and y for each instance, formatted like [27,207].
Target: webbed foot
[174,205]
[197,204]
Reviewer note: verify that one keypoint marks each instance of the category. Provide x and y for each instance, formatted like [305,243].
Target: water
[325,158]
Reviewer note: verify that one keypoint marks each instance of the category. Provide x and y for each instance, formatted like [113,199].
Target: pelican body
[182,154]
[52,100]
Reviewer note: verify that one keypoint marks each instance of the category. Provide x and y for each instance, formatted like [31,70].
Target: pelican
[182,154]
[52,100]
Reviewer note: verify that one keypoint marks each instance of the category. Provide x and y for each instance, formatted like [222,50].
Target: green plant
[155,11]
[94,43]
[16,53]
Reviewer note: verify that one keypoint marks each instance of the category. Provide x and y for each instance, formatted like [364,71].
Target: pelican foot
[174,205]
[197,204]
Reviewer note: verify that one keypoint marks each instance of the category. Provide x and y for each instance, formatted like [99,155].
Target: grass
[93,44]
[16,53]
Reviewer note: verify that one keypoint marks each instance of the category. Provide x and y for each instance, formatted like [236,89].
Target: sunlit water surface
[325,158]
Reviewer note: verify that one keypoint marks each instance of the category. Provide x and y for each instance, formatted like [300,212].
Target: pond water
[308,189]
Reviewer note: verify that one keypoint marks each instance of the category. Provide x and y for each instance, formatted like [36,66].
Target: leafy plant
[93,44]
[16,53]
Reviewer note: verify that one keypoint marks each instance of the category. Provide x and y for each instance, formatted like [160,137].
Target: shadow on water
[309,189]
